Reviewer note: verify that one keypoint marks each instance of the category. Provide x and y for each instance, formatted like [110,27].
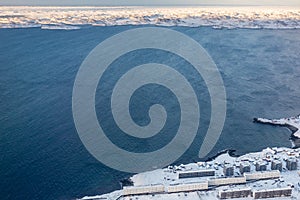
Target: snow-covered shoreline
[293,123]
[169,177]
[216,17]
[274,162]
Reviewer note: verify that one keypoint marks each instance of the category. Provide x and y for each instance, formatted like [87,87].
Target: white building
[226,181]
[188,187]
[262,175]
[150,189]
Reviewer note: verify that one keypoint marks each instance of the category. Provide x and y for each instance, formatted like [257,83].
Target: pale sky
[153,2]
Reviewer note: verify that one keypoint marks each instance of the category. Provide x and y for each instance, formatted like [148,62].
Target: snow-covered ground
[169,176]
[292,121]
[217,17]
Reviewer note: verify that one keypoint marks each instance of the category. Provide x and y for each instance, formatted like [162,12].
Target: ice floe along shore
[293,123]
[273,172]
[69,18]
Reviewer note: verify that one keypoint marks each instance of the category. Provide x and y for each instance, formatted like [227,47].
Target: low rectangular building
[199,173]
[226,181]
[188,187]
[262,175]
[234,193]
[271,193]
[149,189]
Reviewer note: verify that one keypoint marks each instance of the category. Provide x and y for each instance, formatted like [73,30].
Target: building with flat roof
[228,170]
[245,167]
[260,166]
[226,181]
[272,193]
[291,164]
[149,189]
[187,187]
[276,165]
[262,175]
[234,193]
[199,173]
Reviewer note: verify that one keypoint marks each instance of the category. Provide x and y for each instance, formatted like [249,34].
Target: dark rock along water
[42,156]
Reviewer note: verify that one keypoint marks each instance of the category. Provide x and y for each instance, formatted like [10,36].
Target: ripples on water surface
[41,154]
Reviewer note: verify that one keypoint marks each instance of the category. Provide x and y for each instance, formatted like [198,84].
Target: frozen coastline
[253,180]
[70,18]
[293,123]
[266,172]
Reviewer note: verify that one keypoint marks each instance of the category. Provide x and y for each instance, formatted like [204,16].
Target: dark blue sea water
[41,155]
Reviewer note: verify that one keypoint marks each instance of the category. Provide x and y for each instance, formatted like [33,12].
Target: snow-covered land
[169,176]
[292,123]
[216,17]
